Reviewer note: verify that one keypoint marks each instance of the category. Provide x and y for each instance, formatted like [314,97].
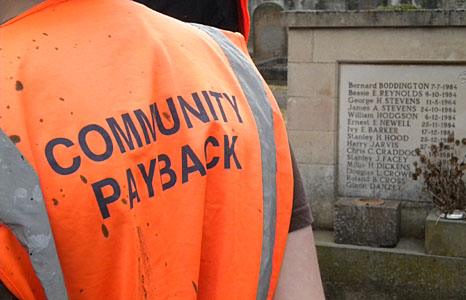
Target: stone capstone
[445,237]
[368,223]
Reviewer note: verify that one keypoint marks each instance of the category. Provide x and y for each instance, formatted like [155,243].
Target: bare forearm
[300,275]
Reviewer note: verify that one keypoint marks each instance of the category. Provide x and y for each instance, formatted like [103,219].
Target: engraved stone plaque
[387,111]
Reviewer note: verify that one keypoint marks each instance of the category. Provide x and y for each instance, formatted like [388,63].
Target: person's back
[162,159]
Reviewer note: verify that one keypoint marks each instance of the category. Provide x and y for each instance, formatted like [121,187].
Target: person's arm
[300,275]
[11,8]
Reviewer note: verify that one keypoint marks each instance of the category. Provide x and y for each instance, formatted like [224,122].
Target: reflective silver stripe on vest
[253,88]
[22,209]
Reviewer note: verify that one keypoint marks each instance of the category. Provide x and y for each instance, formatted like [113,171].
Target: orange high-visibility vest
[140,158]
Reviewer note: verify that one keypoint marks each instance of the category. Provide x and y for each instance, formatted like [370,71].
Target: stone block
[319,185]
[376,19]
[313,147]
[305,113]
[416,44]
[313,80]
[445,237]
[358,223]
[300,45]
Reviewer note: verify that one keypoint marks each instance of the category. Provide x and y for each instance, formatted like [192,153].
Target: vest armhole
[16,271]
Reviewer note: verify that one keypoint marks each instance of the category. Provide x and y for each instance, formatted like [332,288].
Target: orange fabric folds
[148,153]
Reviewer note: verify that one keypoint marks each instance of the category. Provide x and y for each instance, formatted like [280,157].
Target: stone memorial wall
[385,113]
[365,89]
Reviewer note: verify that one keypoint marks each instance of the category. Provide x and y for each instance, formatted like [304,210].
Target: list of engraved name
[385,121]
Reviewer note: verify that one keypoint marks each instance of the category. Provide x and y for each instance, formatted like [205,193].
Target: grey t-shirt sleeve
[301,215]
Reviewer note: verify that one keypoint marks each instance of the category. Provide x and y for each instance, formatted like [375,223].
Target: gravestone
[331,5]
[386,112]
[269,37]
